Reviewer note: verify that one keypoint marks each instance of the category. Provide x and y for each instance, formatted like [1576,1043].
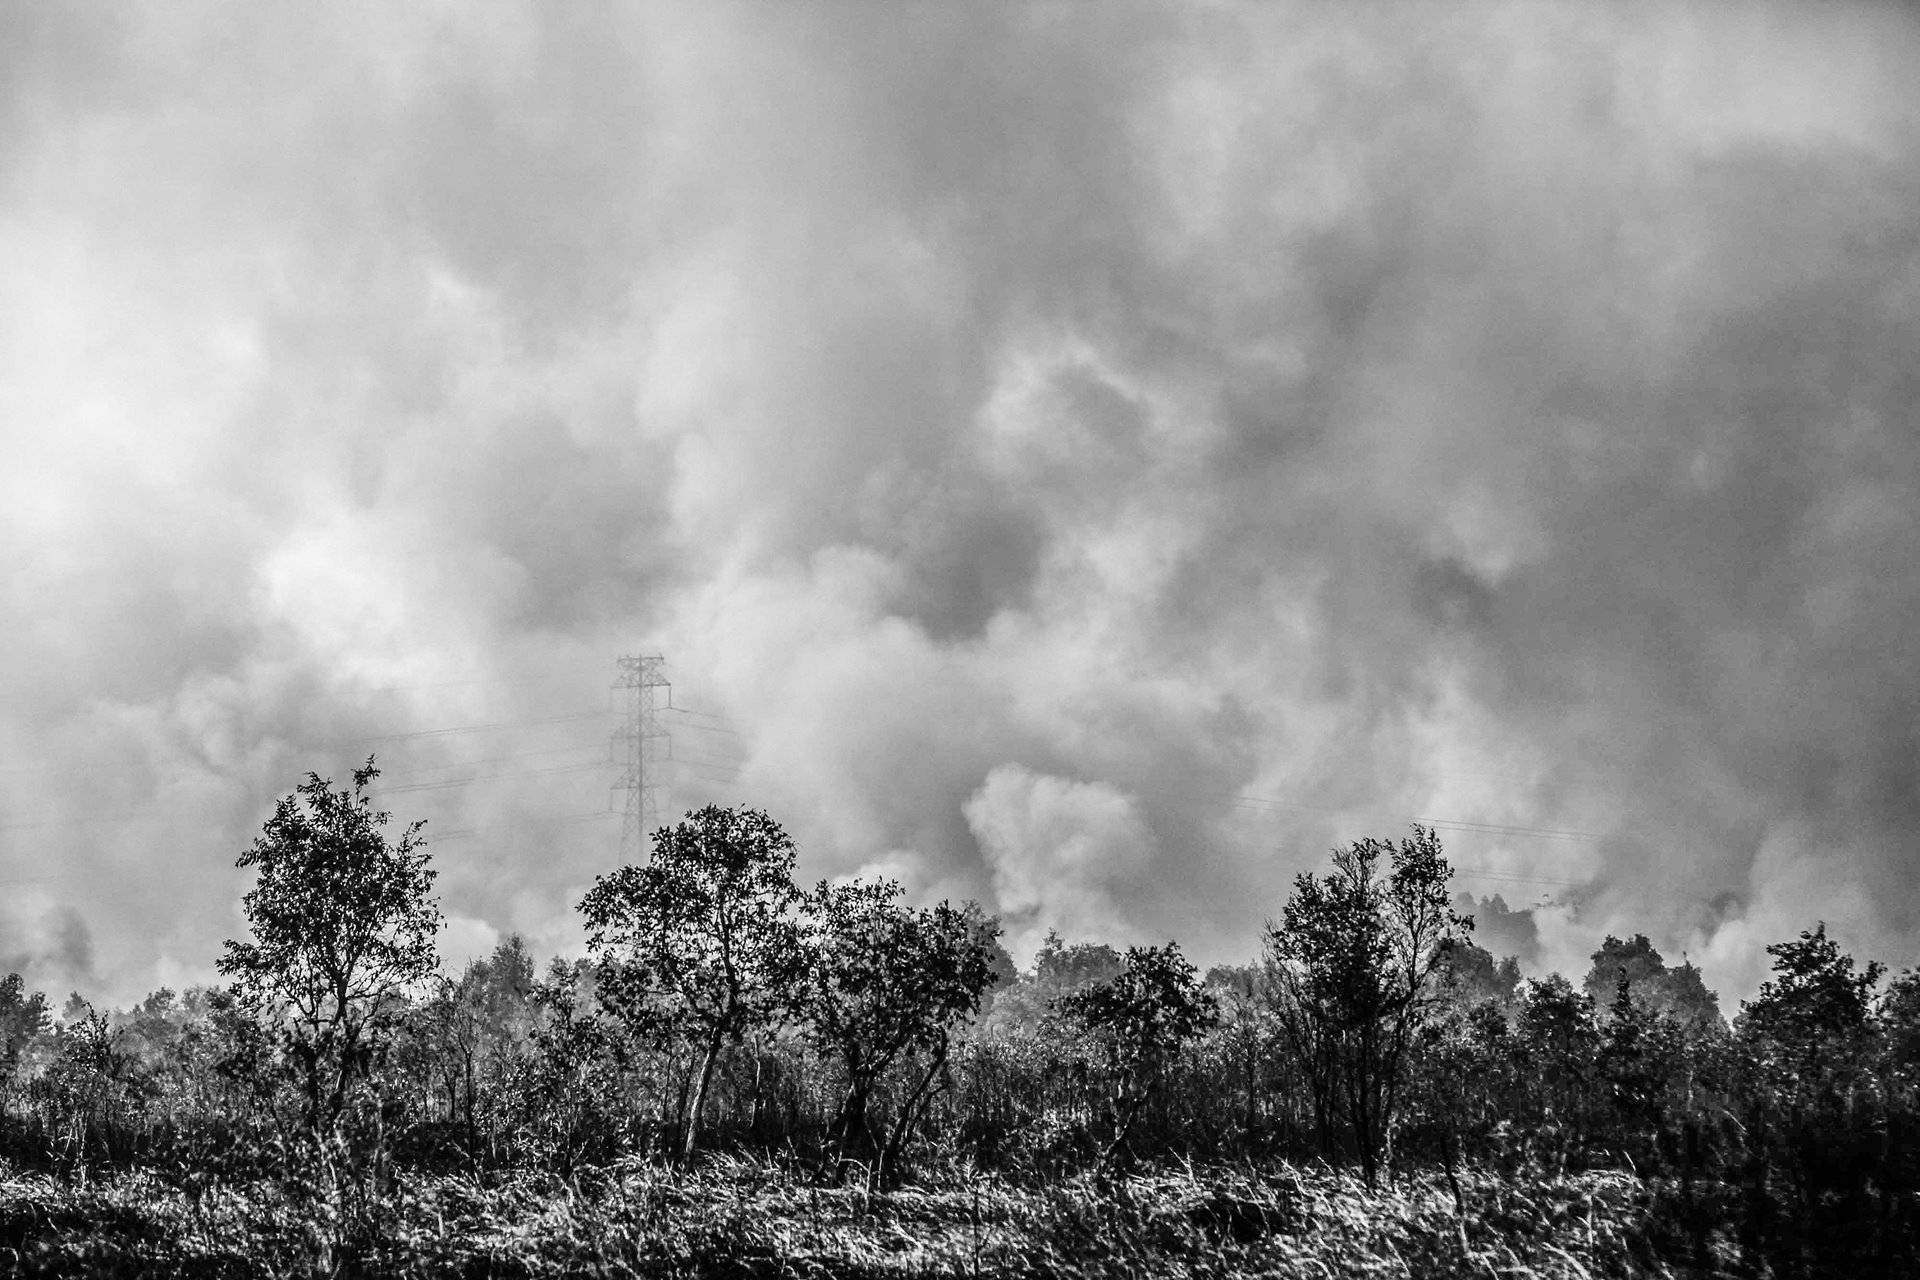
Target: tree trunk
[472,1103]
[1359,1114]
[850,1134]
[1253,1096]
[910,1111]
[309,1055]
[1124,1107]
[759,1073]
[707,1061]
[1449,1153]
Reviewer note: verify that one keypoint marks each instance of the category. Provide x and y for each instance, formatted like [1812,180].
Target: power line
[725,764]
[703,728]
[1484,874]
[1501,829]
[461,764]
[733,775]
[377,786]
[1274,804]
[79,822]
[689,711]
[466,833]
[709,764]
[418,733]
[1266,804]
[453,783]
[470,728]
[350,690]
[149,810]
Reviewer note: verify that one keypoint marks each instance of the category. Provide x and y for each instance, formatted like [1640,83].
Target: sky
[1091,459]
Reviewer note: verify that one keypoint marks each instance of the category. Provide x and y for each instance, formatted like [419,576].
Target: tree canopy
[1138,1020]
[704,941]
[342,923]
[887,983]
[1352,963]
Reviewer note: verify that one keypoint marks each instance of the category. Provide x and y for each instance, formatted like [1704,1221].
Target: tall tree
[1025,1003]
[704,941]
[1239,991]
[1472,976]
[1641,1060]
[342,924]
[1815,1120]
[1352,965]
[886,985]
[1138,1021]
[1815,998]
[1679,992]
[1636,960]
[1558,1044]
[477,1022]
[1061,967]
[23,1019]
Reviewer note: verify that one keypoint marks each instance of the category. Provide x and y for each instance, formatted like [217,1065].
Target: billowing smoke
[1063,856]
[1092,459]
[46,943]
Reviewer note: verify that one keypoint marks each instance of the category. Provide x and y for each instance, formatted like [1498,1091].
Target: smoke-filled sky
[1022,428]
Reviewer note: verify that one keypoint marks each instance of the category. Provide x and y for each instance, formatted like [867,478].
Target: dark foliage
[702,945]
[885,989]
[1136,1025]
[342,930]
[1352,967]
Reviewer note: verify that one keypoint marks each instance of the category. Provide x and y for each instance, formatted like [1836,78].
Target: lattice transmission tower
[634,746]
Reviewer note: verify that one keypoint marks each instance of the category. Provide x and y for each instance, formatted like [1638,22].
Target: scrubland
[734,1217]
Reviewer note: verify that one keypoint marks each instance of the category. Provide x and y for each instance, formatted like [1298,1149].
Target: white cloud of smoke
[1032,425]
[1063,856]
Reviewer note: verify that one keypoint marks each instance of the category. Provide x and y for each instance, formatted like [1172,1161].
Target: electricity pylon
[633,747]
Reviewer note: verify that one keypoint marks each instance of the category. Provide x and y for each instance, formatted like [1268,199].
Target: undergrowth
[740,1217]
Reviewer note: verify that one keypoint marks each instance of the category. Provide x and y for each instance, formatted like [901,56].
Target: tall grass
[737,1216]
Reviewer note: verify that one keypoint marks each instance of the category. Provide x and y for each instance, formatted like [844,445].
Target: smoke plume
[1091,459]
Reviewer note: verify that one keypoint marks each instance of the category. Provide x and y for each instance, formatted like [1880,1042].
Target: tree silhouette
[1352,964]
[23,1019]
[1138,1021]
[1636,960]
[703,942]
[473,1023]
[1640,1055]
[1680,992]
[1815,1124]
[887,983]
[1815,997]
[1558,1042]
[1059,967]
[342,926]
[1470,975]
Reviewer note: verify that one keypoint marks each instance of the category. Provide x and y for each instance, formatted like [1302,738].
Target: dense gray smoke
[1028,431]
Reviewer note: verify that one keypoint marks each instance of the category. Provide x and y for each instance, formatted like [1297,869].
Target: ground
[744,1218]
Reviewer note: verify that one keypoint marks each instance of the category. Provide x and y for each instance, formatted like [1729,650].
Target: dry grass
[738,1217]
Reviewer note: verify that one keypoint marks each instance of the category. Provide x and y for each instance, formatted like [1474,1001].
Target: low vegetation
[734,1217]
[745,1077]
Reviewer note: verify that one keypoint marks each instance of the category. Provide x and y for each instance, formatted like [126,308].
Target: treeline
[724,1006]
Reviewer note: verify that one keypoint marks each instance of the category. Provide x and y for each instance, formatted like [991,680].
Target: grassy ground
[736,1218]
